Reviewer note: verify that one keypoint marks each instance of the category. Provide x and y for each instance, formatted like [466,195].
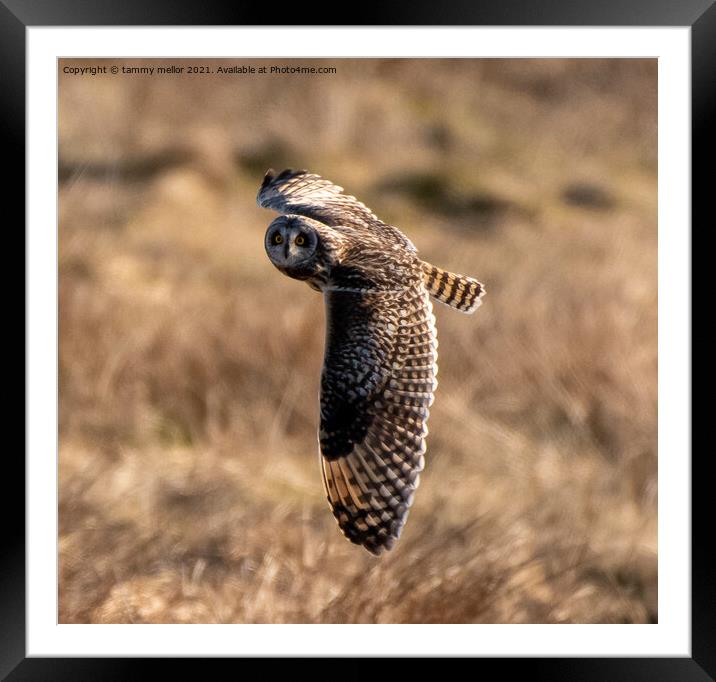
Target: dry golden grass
[189,367]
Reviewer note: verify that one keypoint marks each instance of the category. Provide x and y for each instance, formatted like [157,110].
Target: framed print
[211,449]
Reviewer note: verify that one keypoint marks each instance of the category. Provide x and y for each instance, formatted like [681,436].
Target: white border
[671,637]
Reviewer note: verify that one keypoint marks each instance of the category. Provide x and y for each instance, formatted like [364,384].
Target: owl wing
[376,387]
[303,193]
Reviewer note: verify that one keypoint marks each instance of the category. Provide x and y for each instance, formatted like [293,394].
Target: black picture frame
[17,15]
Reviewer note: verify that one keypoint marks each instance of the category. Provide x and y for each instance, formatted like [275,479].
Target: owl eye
[300,240]
[278,238]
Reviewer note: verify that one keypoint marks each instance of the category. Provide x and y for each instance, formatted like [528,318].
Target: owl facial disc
[291,245]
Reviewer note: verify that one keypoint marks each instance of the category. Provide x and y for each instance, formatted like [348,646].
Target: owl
[380,361]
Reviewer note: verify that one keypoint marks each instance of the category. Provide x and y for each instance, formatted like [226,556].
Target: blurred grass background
[189,367]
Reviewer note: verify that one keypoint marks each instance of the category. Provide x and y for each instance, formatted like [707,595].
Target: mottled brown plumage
[380,364]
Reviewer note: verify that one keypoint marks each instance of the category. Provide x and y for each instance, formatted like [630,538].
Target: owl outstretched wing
[302,193]
[376,389]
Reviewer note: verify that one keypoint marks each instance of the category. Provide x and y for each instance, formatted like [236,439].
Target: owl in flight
[380,358]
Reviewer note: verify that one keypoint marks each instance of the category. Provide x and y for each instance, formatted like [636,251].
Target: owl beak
[295,252]
[286,249]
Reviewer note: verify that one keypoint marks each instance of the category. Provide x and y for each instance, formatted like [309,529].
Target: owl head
[296,246]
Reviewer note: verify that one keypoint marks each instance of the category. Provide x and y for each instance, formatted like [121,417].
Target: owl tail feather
[458,291]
